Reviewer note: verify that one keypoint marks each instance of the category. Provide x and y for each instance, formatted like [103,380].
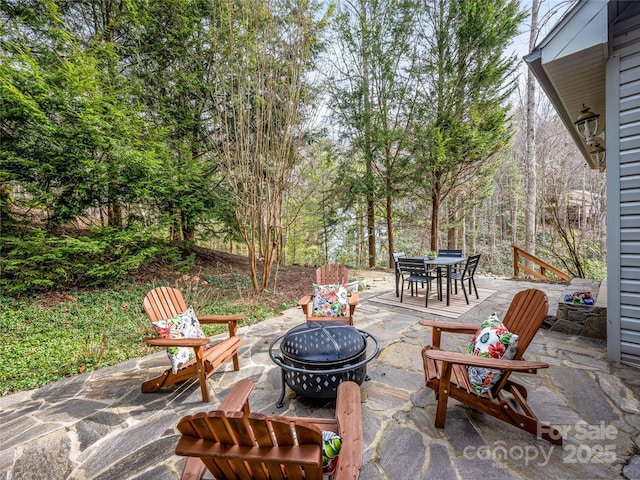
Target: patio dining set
[448,266]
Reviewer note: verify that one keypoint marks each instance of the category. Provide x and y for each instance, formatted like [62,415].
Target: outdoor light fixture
[599,154]
[587,125]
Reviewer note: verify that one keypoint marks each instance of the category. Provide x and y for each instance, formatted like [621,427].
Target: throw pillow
[330,300]
[492,340]
[183,325]
[331,445]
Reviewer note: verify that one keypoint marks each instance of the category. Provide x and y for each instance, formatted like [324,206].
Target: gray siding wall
[625,173]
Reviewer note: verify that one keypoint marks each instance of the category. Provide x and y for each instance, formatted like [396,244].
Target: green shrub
[34,260]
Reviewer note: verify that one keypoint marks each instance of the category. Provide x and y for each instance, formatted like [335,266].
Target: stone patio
[99,425]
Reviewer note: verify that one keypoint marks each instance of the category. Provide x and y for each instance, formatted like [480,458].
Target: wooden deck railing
[545,268]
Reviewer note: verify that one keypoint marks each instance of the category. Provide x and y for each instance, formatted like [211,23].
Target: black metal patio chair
[465,274]
[396,257]
[416,271]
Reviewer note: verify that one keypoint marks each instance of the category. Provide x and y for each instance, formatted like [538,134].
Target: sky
[551,11]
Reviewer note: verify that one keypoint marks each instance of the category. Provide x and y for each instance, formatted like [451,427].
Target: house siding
[625,43]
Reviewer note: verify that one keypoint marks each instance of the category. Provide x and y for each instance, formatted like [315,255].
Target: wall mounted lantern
[587,125]
[599,155]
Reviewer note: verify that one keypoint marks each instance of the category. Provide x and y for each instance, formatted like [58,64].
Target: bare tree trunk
[361,239]
[513,213]
[188,229]
[259,132]
[371,211]
[453,217]
[114,214]
[325,233]
[491,227]
[530,162]
[473,232]
[390,230]
[435,220]
[371,229]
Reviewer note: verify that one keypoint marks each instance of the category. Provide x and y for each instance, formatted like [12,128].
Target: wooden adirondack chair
[163,303]
[446,372]
[330,274]
[233,443]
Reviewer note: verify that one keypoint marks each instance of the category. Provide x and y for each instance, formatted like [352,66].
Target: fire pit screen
[316,357]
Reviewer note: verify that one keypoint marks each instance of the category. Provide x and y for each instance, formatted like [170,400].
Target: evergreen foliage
[149,125]
[34,260]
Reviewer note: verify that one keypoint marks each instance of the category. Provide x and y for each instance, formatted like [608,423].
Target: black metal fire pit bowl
[316,357]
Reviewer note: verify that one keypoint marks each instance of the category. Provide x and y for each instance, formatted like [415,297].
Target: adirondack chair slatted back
[163,302]
[233,445]
[525,315]
[331,274]
[448,373]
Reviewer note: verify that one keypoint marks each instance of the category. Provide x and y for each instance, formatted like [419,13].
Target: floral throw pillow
[331,446]
[183,325]
[330,300]
[492,340]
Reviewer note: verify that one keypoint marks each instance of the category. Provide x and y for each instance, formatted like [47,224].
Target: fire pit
[317,356]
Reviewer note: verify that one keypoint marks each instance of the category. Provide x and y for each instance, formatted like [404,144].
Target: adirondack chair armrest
[230,320]
[304,301]
[304,304]
[354,299]
[349,419]
[476,361]
[220,318]
[238,398]
[454,327]
[176,342]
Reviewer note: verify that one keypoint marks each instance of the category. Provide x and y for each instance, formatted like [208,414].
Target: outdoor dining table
[446,262]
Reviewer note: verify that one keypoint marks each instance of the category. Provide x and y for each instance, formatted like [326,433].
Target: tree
[373,94]
[531,163]
[161,50]
[266,49]
[171,58]
[464,93]
[71,139]
[316,205]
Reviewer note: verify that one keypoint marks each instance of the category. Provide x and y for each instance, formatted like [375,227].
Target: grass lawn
[53,336]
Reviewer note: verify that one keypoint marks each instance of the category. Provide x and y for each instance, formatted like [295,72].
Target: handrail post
[542,265]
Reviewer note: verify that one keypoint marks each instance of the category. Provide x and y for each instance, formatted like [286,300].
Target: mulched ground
[292,282]
[232,275]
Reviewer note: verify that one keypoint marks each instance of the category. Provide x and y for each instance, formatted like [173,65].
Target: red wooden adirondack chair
[165,303]
[447,373]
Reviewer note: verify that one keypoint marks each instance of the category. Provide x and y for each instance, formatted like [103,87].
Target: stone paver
[99,425]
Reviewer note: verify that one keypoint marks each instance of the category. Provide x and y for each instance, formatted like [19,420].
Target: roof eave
[534,62]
